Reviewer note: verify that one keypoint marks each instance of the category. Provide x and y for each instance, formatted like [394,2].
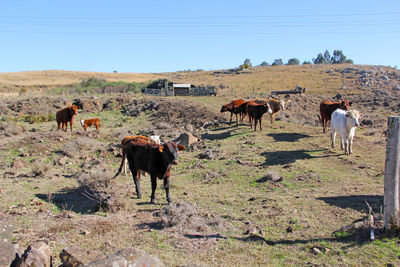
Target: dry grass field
[228,209]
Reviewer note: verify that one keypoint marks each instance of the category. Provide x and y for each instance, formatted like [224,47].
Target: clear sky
[163,36]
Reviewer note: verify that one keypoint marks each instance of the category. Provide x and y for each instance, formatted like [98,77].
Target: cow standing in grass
[136,138]
[345,123]
[274,104]
[90,122]
[66,115]
[232,108]
[154,159]
[326,108]
[255,112]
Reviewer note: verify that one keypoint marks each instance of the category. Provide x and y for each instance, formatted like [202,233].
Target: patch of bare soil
[190,226]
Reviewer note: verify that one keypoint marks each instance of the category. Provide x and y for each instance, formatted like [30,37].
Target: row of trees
[337,58]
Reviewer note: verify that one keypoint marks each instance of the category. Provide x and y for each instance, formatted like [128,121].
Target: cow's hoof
[139,196]
[169,201]
[152,201]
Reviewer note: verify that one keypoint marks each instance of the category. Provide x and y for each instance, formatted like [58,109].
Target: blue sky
[163,36]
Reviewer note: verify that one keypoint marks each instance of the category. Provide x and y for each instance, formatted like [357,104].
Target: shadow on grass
[71,199]
[287,157]
[218,136]
[348,240]
[198,236]
[287,137]
[356,202]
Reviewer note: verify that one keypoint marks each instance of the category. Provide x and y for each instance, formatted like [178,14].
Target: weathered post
[392,168]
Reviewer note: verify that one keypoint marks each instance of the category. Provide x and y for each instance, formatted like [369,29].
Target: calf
[255,112]
[275,105]
[66,115]
[136,138]
[327,107]
[91,122]
[345,123]
[155,159]
[232,108]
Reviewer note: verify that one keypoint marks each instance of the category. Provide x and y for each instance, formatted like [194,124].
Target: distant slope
[257,81]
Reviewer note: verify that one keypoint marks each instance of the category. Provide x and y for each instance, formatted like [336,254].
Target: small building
[181,88]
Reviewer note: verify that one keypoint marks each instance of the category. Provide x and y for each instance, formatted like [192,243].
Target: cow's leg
[125,162]
[346,147]
[136,178]
[324,124]
[230,121]
[70,124]
[271,116]
[333,137]
[351,145]
[153,188]
[166,187]
[63,126]
[59,126]
[342,143]
[255,124]
[260,123]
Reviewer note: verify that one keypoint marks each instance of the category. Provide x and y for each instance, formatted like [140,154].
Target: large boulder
[73,256]
[186,139]
[7,251]
[128,257]
[37,254]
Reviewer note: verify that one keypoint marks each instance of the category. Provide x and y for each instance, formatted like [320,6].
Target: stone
[128,257]
[186,139]
[7,250]
[37,254]
[72,256]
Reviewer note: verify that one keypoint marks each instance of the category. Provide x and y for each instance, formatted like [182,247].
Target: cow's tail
[122,164]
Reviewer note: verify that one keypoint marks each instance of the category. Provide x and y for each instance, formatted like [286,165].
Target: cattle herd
[147,154]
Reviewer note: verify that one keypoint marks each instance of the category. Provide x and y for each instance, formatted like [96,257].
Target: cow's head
[73,110]
[224,108]
[353,118]
[345,104]
[156,139]
[170,152]
[82,123]
[269,110]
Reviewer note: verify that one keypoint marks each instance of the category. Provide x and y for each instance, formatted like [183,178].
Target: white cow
[345,123]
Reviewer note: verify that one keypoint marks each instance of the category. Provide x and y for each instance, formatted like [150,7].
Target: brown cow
[133,138]
[327,107]
[255,112]
[87,123]
[66,115]
[232,108]
[154,159]
[275,105]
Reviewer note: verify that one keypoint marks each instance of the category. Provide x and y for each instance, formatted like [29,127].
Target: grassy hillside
[318,79]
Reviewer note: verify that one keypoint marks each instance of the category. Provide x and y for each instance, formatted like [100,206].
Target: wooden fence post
[392,168]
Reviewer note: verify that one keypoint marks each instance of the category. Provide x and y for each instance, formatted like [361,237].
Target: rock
[72,256]
[186,139]
[271,176]
[128,257]
[315,250]
[208,154]
[37,254]
[18,164]
[7,250]
[63,160]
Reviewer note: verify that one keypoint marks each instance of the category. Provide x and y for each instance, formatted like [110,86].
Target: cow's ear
[347,115]
[180,148]
[161,149]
